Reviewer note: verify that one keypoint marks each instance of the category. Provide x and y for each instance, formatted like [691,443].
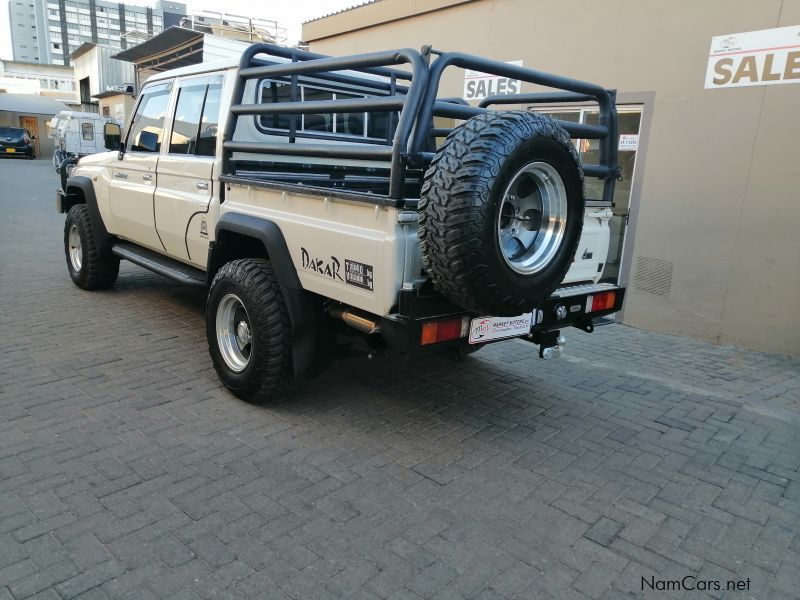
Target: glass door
[629,120]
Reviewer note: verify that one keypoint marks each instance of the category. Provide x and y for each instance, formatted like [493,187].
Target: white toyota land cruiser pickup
[313,196]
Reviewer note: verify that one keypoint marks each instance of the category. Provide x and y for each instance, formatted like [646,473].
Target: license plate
[11,150]
[486,329]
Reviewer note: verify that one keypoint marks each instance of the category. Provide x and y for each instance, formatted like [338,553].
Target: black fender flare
[103,240]
[301,305]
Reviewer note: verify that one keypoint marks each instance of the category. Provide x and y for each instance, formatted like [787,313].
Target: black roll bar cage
[414,135]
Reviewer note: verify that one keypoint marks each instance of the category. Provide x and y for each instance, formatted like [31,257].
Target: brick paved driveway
[127,472]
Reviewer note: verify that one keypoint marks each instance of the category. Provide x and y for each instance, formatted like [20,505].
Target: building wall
[102,70]
[118,107]
[55,81]
[719,197]
[24,30]
[47,31]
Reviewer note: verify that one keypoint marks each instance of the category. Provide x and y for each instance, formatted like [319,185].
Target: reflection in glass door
[629,118]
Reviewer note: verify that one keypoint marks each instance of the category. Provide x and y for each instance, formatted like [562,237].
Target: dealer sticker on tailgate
[486,329]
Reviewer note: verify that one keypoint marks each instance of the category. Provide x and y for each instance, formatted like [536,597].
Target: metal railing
[413,139]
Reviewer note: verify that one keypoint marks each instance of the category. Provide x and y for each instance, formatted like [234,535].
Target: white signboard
[478,85]
[485,329]
[628,141]
[766,57]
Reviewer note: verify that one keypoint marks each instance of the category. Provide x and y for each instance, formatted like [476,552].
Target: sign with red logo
[765,57]
[486,329]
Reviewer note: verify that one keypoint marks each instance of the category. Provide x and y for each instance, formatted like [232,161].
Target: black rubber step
[158,263]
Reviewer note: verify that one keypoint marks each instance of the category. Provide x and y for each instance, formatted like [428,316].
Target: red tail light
[601,301]
[443,330]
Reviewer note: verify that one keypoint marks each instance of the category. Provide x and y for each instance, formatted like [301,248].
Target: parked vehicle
[311,197]
[77,134]
[16,141]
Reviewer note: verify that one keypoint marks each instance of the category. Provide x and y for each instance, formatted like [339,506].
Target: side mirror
[112,136]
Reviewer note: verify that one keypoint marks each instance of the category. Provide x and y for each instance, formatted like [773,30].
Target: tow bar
[551,343]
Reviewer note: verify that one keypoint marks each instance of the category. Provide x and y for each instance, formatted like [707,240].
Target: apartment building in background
[48,31]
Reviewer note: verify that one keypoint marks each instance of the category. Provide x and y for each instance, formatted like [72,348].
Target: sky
[289,13]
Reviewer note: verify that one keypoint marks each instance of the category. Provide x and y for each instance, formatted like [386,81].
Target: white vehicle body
[185,199]
[242,176]
[78,133]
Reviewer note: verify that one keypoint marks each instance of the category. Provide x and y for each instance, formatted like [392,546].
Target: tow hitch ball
[551,343]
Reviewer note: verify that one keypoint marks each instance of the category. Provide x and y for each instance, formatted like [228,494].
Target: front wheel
[249,330]
[89,268]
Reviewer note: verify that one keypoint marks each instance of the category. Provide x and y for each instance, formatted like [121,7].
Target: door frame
[37,149]
[645,101]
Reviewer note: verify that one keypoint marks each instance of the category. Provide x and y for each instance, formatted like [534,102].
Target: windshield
[11,132]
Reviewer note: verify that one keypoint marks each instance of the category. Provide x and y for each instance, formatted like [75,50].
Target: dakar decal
[326,267]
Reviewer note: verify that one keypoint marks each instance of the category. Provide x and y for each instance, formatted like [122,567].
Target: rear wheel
[89,268]
[249,330]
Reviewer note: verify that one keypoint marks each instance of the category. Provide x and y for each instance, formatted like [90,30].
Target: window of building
[147,128]
[106,111]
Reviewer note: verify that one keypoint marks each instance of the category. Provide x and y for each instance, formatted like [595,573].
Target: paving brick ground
[127,472]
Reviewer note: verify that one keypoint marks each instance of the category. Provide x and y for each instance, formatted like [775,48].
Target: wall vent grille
[653,275]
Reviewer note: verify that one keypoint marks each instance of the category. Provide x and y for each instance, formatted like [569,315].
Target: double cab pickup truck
[311,197]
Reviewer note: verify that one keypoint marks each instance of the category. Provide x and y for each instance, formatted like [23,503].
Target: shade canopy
[31,104]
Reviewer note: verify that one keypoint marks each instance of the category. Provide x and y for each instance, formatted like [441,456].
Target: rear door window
[196,119]
[188,111]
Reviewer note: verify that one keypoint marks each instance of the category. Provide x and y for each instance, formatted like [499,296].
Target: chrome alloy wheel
[75,249]
[532,218]
[234,336]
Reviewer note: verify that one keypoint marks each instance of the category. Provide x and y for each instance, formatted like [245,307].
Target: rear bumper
[12,151]
[567,307]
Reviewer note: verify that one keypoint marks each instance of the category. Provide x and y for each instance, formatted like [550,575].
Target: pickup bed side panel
[348,250]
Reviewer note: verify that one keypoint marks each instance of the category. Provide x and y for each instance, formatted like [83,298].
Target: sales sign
[765,57]
[478,86]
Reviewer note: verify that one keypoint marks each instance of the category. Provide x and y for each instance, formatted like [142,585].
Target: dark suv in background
[16,141]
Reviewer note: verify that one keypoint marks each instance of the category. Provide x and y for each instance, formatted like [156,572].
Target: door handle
[121,175]
[147,177]
[201,185]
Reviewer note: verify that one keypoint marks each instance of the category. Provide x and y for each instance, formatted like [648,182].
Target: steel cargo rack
[413,136]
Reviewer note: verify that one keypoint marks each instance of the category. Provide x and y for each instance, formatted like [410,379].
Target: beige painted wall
[721,187]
